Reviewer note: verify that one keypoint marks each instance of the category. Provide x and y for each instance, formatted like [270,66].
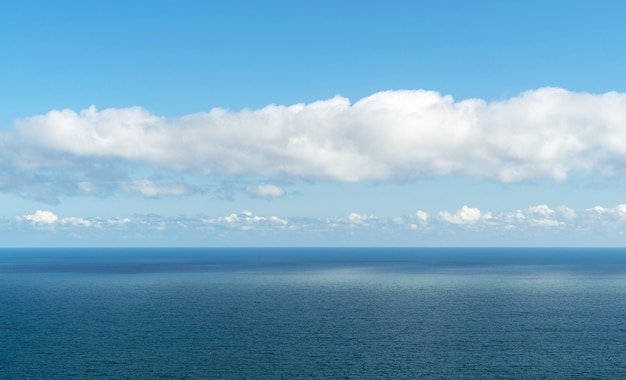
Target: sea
[313,313]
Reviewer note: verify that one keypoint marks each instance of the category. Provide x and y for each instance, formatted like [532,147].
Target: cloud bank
[388,136]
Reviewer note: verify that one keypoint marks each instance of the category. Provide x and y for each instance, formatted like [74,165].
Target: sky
[312,123]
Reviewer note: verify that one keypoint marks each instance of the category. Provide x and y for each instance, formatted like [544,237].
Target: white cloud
[277,220]
[567,212]
[147,188]
[398,220]
[42,218]
[465,215]
[266,190]
[422,216]
[541,216]
[540,210]
[356,218]
[544,133]
[618,211]
[521,223]
[246,220]
[78,222]
[545,222]
[118,221]
[48,218]
[232,218]
[599,210]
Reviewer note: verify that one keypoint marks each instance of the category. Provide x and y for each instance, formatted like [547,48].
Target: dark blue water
[312,313]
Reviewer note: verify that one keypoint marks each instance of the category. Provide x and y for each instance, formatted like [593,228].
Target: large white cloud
[544,133]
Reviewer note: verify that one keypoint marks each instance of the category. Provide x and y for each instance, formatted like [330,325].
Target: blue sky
[312,123]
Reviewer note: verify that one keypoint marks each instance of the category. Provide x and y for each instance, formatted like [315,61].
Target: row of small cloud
[388,136]
[535,216]
[48,218]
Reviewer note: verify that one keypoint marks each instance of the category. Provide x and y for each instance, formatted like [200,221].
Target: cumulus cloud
[356,218]
[266,190]
[598,210]
[422,216]
[541,216]
[465,215]
[390,135]
[41,218]
[567,213]
[618,211]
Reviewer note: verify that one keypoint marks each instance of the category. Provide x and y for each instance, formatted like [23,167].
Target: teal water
[312,313]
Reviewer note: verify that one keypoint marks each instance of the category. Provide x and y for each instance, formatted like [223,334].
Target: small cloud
[541,216]
[465,215]
[232,218]
[422,216]
[118,221]
[277,220]
[266,190]
[618,212]
[599,210]
[397,220]
[147,188]
[246,220]
[545,222]
[567,212]
[356,218]
[41,218]
[540,210]
[76,222]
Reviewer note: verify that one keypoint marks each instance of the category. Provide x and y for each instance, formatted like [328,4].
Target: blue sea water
[358,313]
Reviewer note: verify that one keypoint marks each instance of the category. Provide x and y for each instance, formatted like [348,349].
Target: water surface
[312,313]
